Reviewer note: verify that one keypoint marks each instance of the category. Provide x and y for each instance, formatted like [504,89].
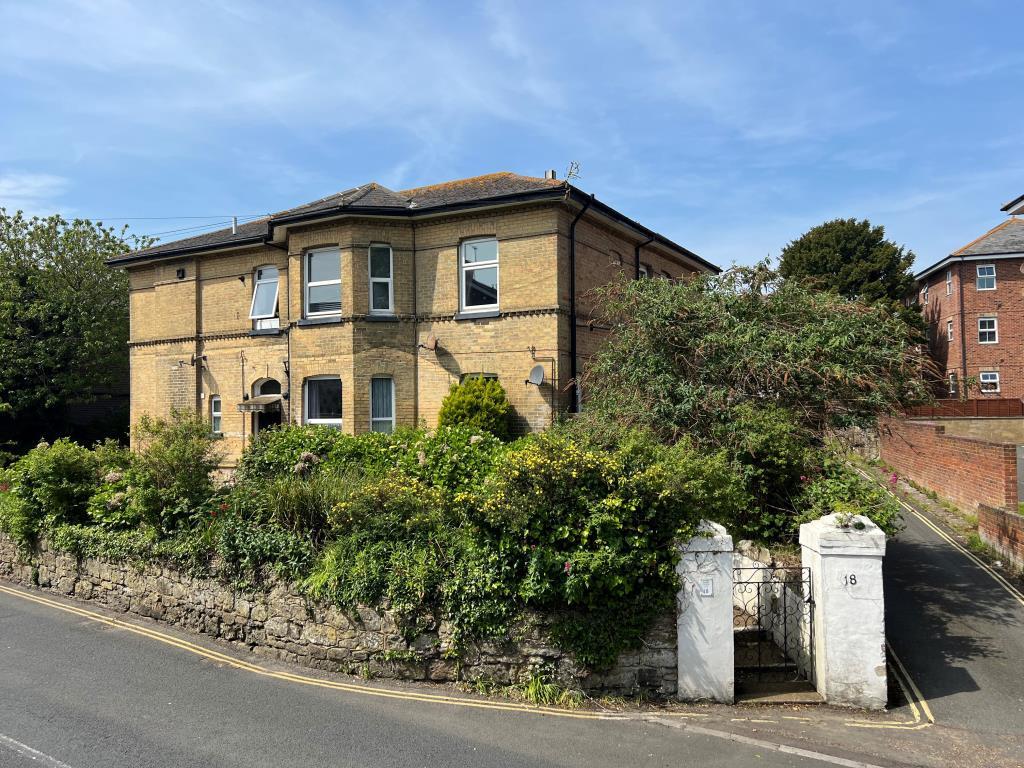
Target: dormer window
[263,310]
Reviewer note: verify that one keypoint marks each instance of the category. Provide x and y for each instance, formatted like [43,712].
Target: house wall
[967,471]
[1006,303]
[204,315]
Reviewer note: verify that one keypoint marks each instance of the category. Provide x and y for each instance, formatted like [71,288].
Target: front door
[272,416]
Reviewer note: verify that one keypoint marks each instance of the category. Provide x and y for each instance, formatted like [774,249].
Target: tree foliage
[478,403]
[854,259]
[759,366]
[686,356]
[63,312]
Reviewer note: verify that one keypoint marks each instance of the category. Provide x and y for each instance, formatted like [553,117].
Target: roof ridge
[977,240]
[470,179]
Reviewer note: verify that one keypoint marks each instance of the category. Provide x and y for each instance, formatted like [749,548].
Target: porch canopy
[261,404]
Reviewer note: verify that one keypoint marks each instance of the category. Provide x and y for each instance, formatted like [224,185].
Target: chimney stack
[551,175]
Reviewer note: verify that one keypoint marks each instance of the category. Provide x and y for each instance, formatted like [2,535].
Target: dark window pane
[481,286]
[483,250]
[381,296]
[324,398]
[380,262]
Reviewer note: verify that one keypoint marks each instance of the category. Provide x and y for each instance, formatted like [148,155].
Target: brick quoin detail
[967,471]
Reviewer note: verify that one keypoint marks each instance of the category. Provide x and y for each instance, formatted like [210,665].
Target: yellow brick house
[361,309]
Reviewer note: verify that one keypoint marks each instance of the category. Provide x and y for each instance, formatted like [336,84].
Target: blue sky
[730,127]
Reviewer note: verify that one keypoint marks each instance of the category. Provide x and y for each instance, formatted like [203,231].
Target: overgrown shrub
[394,547]
[279,451]
[171,473]
[594,531]
[839,488]
[479,404]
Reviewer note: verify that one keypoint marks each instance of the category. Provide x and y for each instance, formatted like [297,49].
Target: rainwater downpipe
[963,338]
[574,403]
[636,256]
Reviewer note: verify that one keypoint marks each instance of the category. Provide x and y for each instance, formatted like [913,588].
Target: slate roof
[1008,237]
[375,199]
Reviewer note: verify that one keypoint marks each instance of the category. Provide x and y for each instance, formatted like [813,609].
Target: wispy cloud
[34,193]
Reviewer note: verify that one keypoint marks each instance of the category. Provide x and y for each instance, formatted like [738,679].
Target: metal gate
[773,625]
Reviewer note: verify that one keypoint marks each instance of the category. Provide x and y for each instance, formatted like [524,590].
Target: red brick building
[973,302]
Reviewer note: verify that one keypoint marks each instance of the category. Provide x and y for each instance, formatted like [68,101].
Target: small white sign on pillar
[844,555]
[704,617]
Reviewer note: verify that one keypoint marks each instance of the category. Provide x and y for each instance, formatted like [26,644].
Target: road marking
[363,689]
[913,686]
[1015,593]
[32,754]
[762,744]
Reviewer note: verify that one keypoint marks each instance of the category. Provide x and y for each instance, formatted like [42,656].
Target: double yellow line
[366,690]
[1015,593]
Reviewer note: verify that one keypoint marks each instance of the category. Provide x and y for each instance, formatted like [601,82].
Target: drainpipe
[636,256]
[198,354]
[415,336]
[573,372]
[963,338]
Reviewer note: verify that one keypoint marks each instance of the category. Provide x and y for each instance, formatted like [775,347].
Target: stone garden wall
[281,623]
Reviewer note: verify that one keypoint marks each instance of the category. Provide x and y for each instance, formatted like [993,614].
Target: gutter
[574,403]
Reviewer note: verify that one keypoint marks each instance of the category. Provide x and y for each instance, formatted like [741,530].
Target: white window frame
[979,277]
[307,283]
[949,330]
[272,320]
[305,402]
[390,280]
[377,419]
[994,329]
[953,382]
[926,294]
[644,271]
[993,379]
[216,415]
[949,282]
[464,268]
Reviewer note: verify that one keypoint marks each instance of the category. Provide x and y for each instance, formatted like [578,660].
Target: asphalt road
[82,694]
[960,635]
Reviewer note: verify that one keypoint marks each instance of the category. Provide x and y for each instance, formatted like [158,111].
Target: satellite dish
[430,344]
[536,375]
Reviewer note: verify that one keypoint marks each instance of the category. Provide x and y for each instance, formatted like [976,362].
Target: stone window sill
[491,313]
[327,320]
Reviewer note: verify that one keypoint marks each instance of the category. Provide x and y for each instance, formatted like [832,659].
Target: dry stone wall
[280,623]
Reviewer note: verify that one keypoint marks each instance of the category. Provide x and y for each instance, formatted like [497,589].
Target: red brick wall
[967,471]
[1003,531]
[1005,303]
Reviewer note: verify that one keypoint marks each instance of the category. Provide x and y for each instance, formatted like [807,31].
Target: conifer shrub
[480,404]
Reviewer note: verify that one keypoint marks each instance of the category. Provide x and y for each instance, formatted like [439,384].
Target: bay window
[322,276]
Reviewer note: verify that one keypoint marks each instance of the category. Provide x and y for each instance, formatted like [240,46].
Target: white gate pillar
[704,616]
[845,562]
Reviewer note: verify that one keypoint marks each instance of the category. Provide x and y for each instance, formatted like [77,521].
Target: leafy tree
[63,312]
[854,259]
[691,357]
[753,364]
